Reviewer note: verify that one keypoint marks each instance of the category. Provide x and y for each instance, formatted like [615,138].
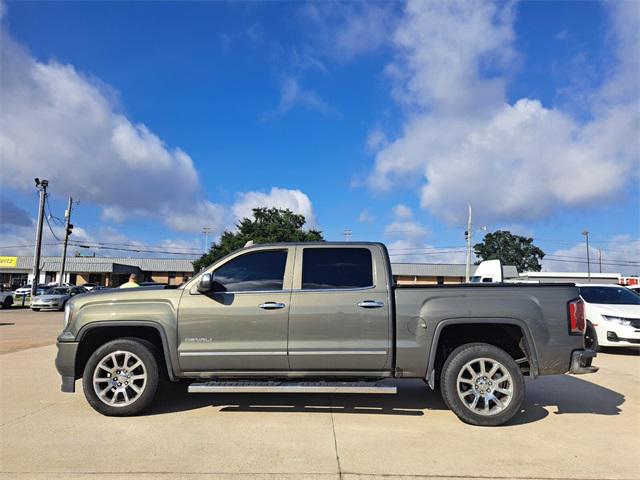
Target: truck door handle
[371,304]
[271,305]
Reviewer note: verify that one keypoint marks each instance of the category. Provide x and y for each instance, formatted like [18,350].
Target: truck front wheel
[121,377]
[482,384]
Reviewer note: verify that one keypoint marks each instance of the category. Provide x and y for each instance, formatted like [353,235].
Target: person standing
[132,283]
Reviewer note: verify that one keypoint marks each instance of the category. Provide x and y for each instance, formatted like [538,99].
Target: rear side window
[253,272]
[324,268]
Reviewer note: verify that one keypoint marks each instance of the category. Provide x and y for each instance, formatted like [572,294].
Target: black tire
[146,354]
[473,352]
[591,337]
[7,302]
[35,309]
[61,307]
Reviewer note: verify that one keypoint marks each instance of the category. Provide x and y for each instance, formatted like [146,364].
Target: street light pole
[67,232]
[41,185]
[586,234]
[206,231]
[468,235]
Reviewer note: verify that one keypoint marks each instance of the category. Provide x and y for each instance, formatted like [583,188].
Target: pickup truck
[321,317]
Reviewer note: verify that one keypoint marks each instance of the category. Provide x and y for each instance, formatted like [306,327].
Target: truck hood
[625,311]
[126,295]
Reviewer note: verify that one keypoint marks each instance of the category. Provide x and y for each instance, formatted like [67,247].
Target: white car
[6,299]
[613,316]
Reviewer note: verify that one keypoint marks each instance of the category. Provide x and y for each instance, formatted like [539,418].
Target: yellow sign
[8,262]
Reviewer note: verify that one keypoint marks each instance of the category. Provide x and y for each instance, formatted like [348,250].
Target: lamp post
[41,185]
[586,234]
[206,231]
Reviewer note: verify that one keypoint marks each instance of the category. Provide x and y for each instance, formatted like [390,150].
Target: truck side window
[324,268]
[253,272]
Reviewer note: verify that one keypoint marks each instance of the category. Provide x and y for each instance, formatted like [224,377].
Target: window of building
[253,272]
[324,268]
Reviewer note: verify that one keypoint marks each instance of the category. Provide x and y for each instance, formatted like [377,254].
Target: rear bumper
[66,365]
[581,362]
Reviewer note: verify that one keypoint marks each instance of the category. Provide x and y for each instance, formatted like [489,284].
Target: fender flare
[135,323]
[528,342]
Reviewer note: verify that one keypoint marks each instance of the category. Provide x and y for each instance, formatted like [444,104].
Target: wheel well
[98,336]
[508,337]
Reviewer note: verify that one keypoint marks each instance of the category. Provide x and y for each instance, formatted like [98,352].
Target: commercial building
[106,271]
[438,273]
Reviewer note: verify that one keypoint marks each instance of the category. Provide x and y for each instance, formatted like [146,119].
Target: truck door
[339,317]
[243,328]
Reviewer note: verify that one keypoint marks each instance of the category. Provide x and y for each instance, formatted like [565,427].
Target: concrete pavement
[571,427]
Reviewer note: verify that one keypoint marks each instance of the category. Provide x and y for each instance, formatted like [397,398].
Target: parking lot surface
[570,427]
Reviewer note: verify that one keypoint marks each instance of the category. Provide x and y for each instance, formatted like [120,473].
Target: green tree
[510,250]
[268,225]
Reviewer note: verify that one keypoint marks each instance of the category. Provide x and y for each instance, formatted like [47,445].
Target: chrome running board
[384,387]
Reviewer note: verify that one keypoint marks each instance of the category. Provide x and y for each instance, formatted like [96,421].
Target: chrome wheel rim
[485,386]
[119,378]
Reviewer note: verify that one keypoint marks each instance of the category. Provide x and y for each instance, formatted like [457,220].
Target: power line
[94,247]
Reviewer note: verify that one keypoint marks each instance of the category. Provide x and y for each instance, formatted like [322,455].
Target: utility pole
[206,231]
[347,235]
[41,185]
[67,231]
[586,234]
[467,235]
[600,259]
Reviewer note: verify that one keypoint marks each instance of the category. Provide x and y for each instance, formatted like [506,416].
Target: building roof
[443,270]
[568,274]
[104,265]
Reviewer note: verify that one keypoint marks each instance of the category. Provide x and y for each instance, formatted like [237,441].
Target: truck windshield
[609,295]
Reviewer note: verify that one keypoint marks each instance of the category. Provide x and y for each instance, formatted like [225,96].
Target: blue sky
[386,119]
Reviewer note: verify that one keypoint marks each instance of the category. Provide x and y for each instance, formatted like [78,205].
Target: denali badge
[198,339]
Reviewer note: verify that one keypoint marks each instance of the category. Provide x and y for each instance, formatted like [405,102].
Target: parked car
[26,291]
[613,316]
[6,299]
[90,286]
[55,298]
[321,318]
[98,288]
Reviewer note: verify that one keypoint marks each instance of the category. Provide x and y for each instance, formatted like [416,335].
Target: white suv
[613,316]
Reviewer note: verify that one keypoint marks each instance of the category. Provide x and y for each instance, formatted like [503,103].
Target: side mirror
[207,284]
[204,285]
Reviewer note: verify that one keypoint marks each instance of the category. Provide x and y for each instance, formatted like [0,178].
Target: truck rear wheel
[121,377]
[482,384]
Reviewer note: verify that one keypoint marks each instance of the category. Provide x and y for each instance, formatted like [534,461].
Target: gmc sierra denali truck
[321,317]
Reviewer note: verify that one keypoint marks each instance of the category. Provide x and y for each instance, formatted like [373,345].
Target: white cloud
[366,217]
[619,255]
[402,211]
[293,95]
[344,31]
[408,241]
[294,200]
[510,161]
[58,124]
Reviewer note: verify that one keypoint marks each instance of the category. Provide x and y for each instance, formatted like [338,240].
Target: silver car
[55,298]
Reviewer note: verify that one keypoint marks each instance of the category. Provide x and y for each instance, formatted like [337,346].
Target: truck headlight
[618,320]
[68,315]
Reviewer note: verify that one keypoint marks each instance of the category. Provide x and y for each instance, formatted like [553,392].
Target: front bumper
[45,305]
[66,365]
[581,362]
